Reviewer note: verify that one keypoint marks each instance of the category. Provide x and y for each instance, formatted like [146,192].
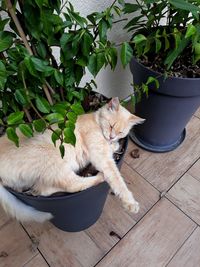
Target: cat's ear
[113,104]
[136,120]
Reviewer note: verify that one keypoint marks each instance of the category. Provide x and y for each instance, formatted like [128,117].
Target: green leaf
[182,4]
[26,130]
[15,117]
[39,125]
[66,38]
[158,45]
[103,27]
[62,150]
[42,104]
[70,137]
[130,8]
[55,118]
[3,23]
[80,20]
[41,50]
[29,64]
[139,38]
[175,53]
[56,136]
[72,117]
[61,108]
[167,44]
[70,125]
[133,21]
[191,30]
[87,42]
[41,66]
[126,53]
[77,108]
[6,40]
[177,37]
[96,62]
[59,77]
[11,134]
[3,75]
[153,80]
[21,97]
[113,56]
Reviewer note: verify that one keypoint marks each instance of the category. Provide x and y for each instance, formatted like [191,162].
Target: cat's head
[116,121]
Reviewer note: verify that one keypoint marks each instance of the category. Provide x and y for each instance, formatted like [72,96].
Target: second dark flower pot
[167,110]
[73,212]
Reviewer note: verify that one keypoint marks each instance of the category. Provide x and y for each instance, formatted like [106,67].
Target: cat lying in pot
[37,164]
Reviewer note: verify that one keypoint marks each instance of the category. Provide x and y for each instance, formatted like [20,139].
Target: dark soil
[182,67]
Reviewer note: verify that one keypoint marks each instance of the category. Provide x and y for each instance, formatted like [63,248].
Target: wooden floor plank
[143,192]
[197,113]
[15,246]
[154,240]
[4,218]
[162,170]
[112,225]
[139,155]
[63,249]
[37,261]
[97,239]
[188,255]
[195,170]
[186,195]
[115,219]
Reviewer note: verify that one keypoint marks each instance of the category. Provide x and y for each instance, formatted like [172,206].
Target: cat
[37,163]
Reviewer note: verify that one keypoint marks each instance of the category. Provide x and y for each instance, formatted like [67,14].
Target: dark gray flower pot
[166,110]
[73,212]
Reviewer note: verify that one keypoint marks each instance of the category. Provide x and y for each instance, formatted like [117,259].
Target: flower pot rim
[66,195]
[162,74]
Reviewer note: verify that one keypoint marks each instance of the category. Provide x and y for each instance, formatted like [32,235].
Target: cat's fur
[38,164]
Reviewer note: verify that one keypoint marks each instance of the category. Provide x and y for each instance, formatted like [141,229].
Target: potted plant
[37,91]
[166,47]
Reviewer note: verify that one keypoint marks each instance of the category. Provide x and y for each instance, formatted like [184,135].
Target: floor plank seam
[196,116]
[24,228]
[4,224]
[127,233]
[142,177]
[176,181]
[181,246]
[30,259]
[194,177]
[182,211]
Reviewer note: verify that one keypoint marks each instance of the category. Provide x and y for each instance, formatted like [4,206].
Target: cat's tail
[20,211]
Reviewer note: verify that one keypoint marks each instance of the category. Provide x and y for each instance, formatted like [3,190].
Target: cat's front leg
[116,182]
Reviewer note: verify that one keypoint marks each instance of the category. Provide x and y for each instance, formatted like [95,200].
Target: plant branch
[116,21]
[28,115]
[24,39]
[18,25]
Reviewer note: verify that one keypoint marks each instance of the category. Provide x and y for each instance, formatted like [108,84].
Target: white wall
[117,83]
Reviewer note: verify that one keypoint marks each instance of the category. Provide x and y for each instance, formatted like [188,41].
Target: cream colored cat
[38,164]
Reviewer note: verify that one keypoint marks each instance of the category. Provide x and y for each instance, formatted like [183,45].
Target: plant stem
[45,88]
[116,21]
[18,26]
[28,115]
[24,39]
[36,111]
[113,4]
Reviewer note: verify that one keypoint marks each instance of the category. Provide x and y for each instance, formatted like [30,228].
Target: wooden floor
[166,231]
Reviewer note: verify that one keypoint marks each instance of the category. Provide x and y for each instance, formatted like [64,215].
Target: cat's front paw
[132,206]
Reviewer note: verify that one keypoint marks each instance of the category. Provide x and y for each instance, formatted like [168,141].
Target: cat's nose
[112,136]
